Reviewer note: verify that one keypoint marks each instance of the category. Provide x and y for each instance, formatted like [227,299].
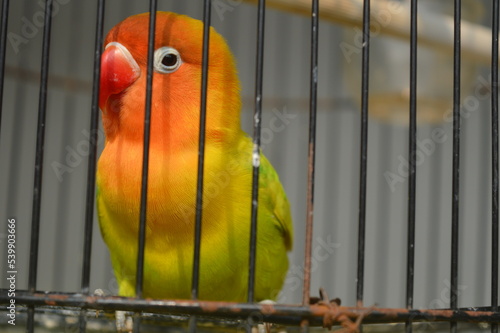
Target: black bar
[306,289]
[93,140]
[3,48]
[145,157]
[312,151]
[201,151]
[410,260]
[91,171]
[494,167]
[363,151]
[40,141]
[456,162]
[287,314]
[257,124]
[207,5]
[145,162]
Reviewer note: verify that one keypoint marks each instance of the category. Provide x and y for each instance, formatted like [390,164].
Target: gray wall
[286,87]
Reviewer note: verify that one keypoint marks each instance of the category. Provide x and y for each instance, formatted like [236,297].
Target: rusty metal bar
[284,314]
[311,157]
[312,150]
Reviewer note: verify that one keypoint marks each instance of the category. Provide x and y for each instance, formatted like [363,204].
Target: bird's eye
[167,60]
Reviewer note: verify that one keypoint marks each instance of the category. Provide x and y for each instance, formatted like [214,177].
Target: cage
[403,185]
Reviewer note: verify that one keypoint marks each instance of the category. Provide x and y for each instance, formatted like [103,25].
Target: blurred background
[286,103]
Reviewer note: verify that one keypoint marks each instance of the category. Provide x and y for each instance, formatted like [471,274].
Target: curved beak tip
[119,70]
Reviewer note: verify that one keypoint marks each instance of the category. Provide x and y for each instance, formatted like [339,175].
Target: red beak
[118,71]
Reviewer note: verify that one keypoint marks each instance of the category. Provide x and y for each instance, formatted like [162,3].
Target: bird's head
[176,82]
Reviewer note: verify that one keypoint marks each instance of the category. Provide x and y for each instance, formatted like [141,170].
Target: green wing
[272,191]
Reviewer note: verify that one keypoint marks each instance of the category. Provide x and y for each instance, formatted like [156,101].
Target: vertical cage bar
[410,260]
[363,152]
[3,48]
[91,171]
[201,151]
[40,141]
[145,156]
[257,124]
[312,150]
[207,5]
[145,160]
[311,158]
[456,162]
[494,158]
[93,140]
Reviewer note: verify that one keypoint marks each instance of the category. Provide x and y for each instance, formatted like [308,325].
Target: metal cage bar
[313,106]
[456,163]
[93,139]
[304,314]
[201,153]
[312,149]
[40,140]
[3,48]
[145,160]
[412,151]
[275,313]
[207,5]
[257,124]
[494,159]
[145,157]
[363,152]
[91,172]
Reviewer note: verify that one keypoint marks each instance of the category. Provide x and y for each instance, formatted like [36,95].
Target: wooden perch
[393,19]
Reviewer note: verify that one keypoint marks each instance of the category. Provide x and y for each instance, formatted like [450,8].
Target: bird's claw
[123,322]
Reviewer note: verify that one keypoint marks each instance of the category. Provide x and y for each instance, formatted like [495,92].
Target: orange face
[176,82]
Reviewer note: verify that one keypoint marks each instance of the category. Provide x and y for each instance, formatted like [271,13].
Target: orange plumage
[173,165]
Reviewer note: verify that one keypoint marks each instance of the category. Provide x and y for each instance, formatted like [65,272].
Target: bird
[172,173]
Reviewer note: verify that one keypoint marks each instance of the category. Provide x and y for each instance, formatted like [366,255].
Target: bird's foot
[99,292]
[265,327]
[124,323]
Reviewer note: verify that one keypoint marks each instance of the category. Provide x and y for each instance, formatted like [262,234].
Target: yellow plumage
[172,173]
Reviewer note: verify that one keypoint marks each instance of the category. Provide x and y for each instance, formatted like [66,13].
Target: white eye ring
[167,60]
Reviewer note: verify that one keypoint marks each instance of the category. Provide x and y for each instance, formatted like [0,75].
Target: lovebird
[173,165]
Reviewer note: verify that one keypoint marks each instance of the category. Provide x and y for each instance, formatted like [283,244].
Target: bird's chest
[171,199]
